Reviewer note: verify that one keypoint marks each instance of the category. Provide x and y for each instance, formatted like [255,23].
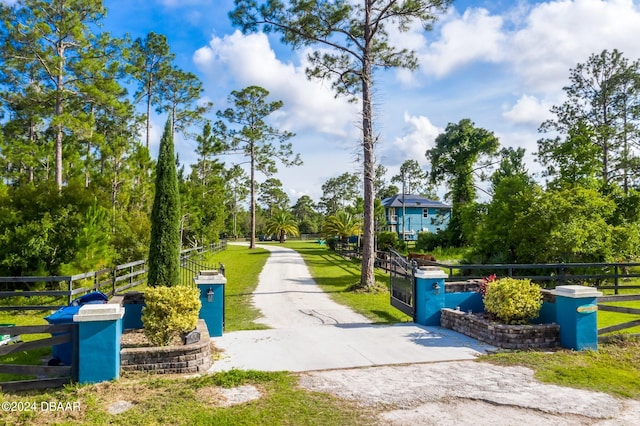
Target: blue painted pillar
[577,315]
[429,297]
[211,288]
[99,332]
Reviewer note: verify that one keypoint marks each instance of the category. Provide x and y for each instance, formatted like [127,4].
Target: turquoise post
[211,288]
[577,315]
[99,332]
[429,297]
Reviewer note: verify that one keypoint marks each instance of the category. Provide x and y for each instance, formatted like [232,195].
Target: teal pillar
[429,297]
[211,286]
[577,315]
[99,332]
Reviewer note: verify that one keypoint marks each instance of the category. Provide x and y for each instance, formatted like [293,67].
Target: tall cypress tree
[164,252]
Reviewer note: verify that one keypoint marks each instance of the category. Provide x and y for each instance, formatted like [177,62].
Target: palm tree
[342,224]
[281,224]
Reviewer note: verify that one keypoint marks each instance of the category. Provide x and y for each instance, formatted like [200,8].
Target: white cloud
[528,110]
[419,135]
[558,35]
[474,36]
[541,42]
[250,60]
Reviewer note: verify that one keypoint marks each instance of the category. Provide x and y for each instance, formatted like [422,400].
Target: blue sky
[500,63]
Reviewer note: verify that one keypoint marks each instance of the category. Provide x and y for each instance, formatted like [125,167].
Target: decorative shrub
[169,312]
[513,301]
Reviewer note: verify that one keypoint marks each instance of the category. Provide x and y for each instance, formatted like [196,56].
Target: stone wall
[540,336]
[193,358]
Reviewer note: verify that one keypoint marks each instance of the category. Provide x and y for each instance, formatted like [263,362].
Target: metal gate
[403,284]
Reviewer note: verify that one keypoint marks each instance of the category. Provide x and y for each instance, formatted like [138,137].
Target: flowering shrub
[169,312]
[513,301]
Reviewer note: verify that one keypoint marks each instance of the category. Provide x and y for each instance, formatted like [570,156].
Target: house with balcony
[409,214]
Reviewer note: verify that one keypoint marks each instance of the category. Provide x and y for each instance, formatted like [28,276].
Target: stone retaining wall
[540,336]
[193,358]
[462,286]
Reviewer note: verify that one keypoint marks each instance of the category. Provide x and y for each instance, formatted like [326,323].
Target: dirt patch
[137,339]
[469,393]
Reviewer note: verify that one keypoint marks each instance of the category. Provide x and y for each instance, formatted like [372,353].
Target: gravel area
[470,393]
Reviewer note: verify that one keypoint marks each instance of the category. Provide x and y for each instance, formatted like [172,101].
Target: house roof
[412,200]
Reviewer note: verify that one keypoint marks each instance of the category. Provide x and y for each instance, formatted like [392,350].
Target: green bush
[513,301]
[387,241]
[169,312]
[429,241]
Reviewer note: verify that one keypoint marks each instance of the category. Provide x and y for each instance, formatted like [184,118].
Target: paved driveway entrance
[312,332]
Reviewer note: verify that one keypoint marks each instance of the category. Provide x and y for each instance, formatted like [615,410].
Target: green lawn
[335,275]
[242,268]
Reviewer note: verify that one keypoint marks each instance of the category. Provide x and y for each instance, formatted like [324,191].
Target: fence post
[576,313]
[70,296]
[616,278]
[99,332]
[428,298]
[113,280]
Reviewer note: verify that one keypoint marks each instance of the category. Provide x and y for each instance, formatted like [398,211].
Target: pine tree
[164,251]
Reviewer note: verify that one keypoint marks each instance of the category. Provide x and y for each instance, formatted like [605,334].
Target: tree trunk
[367,279]
[252,243]
[149,85]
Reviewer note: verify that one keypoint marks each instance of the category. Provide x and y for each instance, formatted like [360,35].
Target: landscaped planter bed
[536,336]
[192,358]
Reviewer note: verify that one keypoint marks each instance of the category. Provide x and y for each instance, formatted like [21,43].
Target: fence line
[604,276]
[46,376]
[110,281]
[620,310]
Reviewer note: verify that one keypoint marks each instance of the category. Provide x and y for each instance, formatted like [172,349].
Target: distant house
[415,214]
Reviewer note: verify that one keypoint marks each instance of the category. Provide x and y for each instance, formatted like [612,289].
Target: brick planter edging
[193,358]
[536,336]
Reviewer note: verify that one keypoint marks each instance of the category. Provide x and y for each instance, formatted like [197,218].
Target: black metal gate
[403,284]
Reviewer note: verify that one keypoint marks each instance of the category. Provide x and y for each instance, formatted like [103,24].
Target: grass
[242,268]
[336,275]
[613,369]
[192,401]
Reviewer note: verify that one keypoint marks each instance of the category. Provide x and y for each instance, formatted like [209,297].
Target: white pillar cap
[99,312]
[576,291]
[430,273]
[210,279]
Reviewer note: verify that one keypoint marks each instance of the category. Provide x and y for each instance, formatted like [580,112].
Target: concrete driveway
[309,331]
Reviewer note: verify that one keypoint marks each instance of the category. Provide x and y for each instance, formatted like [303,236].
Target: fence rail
[604,276]
[47,376]
[618,309]
[110,281]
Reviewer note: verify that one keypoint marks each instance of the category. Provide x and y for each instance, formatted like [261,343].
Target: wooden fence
[45,376]
[604,276]
[110,281]
[619,309]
